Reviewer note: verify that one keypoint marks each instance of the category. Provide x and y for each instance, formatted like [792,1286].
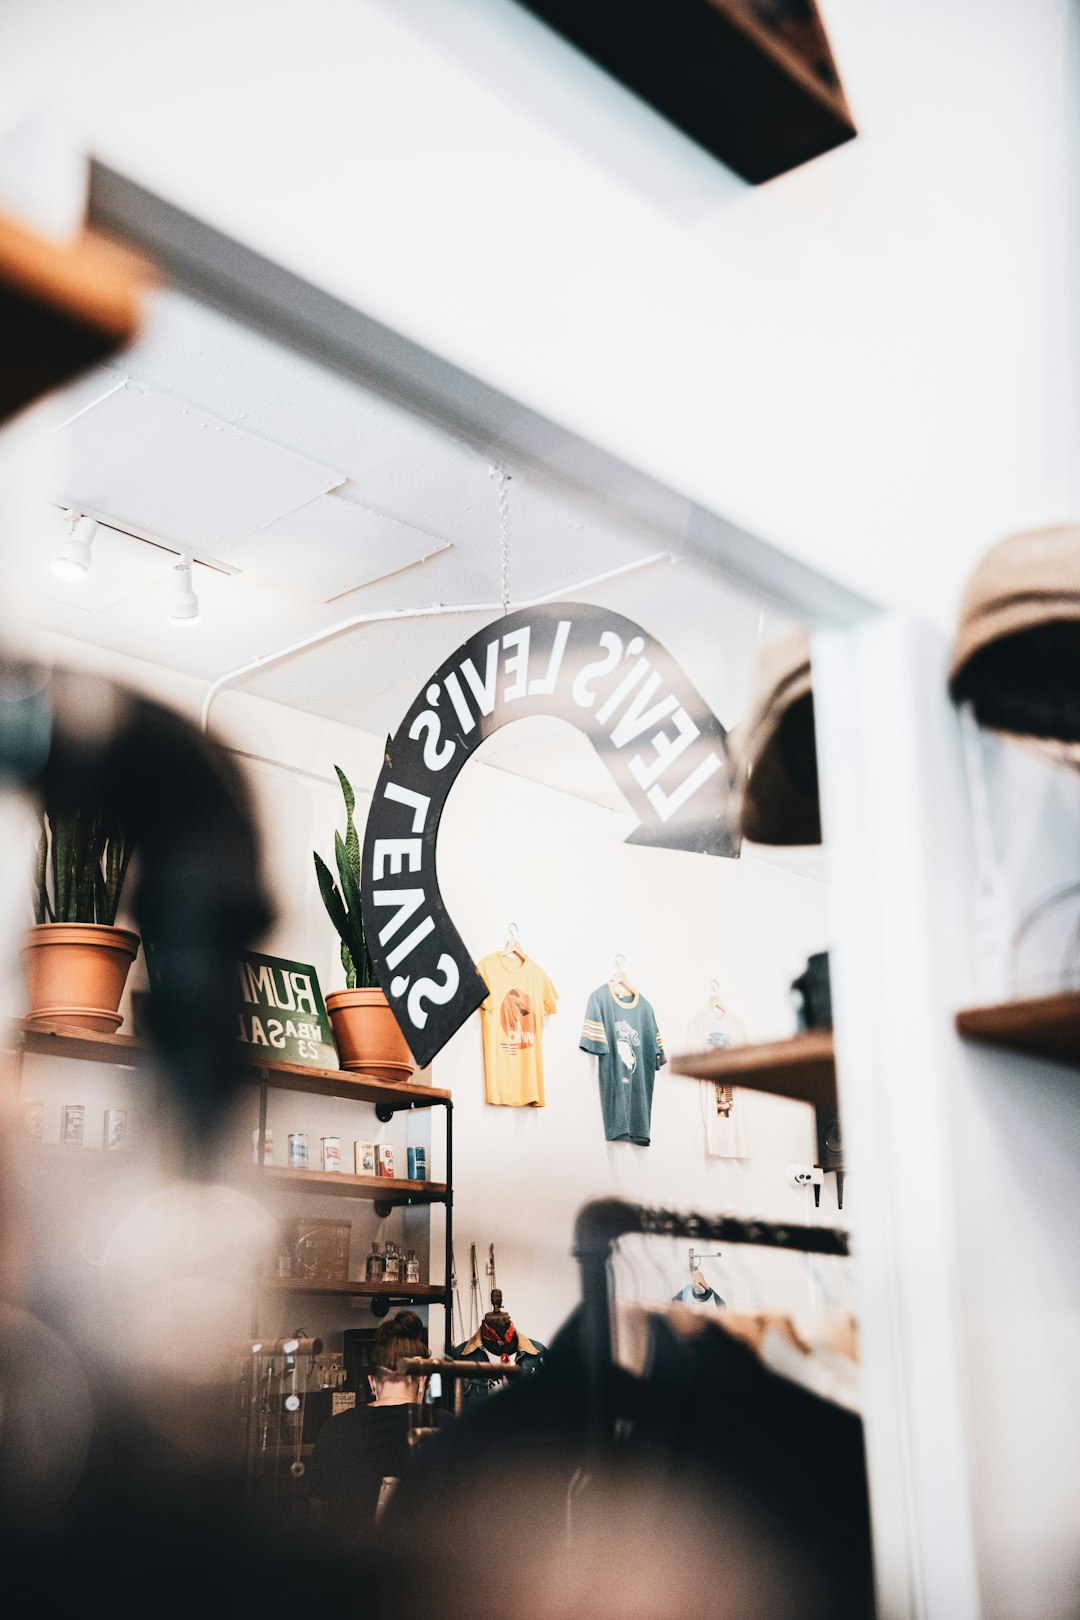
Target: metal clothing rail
[602,1222]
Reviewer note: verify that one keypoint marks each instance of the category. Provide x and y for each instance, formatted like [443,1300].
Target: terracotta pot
[367,1036]
[76,972]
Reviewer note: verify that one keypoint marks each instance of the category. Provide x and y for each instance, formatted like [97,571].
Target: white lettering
[305,995]
[277,1036]
[666,804]
[430,990]
[418,803]
[258,1034]
[517,664]
[457,698]
[407,901]
[392,852]
[622,691]
[580,692]
[483,693]
[410,942]
[667,752]
[434,756]
[543,687]
[635,722]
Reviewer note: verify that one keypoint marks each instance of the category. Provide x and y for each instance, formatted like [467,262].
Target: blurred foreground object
[776,750]
[63,307]
[1017,653]
[753,81]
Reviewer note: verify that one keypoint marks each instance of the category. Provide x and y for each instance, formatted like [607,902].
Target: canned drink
[298,1150]
[72,1128]
[331,1152]
[115,1133]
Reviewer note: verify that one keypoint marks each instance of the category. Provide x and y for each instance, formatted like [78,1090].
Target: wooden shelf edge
[59,1040]
[1040,1026]
[802,1068]
[357,1290]
[337,1183]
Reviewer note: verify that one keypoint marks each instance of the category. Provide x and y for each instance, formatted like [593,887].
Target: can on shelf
[298,1150]
[114,1133]
[72,1125]
[331,1152]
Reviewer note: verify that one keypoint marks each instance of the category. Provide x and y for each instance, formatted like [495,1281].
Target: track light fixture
[73,563]
[183,603]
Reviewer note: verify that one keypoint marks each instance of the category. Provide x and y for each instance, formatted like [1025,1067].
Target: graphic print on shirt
[517,1022]
[626,1038]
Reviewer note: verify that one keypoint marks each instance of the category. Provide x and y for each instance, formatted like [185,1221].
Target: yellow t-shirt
[521,997]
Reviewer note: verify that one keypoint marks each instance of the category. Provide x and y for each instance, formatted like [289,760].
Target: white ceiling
[328,502]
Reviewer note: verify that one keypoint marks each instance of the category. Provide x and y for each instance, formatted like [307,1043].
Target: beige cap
[1017,653]
[775,751]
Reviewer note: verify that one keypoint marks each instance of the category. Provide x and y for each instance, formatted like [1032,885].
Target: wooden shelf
[128,1051]
[1042,1026]
[360,1290]
[336,1184]
[803,1067]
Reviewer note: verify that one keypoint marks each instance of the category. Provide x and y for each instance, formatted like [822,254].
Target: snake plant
[343,904]
[82,861]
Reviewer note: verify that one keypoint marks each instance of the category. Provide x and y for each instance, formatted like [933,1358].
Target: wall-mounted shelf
[128,1051]
[361,1290]
[384,1192]
[803,1067]
[1042,1026]
[377,1189]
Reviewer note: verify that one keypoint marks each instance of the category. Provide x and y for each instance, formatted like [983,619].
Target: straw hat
[775,751]
[1017,653]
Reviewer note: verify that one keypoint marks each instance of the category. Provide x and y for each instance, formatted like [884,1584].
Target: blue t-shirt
[624,1036]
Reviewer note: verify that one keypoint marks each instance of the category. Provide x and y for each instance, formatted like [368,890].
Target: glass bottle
[376,1264]
[412,1267]
[392,1264]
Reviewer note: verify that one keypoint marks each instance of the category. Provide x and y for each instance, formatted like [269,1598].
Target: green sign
[282,1014]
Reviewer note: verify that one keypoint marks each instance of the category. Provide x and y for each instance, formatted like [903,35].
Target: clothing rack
[600,1225]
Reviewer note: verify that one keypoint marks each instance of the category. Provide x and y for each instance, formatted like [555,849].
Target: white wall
[557,866]
[869,361]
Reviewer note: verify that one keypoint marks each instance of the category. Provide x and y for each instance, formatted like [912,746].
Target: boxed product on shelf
[314,1249]
[384,1159]
[364,1158]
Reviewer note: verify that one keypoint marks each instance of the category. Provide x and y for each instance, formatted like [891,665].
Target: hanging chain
[498,471]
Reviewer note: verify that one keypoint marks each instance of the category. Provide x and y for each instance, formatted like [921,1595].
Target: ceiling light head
[73,563]
[183,603]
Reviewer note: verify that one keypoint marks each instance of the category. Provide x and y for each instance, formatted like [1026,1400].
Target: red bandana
[501,1344]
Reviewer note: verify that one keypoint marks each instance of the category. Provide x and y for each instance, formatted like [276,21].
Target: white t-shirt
[723,1107]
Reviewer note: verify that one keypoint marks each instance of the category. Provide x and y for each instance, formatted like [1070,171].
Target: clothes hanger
[513,944]
[697,1276]
[714,998]
[618,980]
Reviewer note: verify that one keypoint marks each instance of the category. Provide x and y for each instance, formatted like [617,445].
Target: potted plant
[366,1033]
[77,961]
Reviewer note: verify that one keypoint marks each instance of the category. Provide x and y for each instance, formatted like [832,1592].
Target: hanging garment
[512,1018]
[724,1108]
[711,1438]
[622,1033]
[527,1353]
[696,1297]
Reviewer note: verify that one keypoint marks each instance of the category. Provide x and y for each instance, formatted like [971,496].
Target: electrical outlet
[805,1175]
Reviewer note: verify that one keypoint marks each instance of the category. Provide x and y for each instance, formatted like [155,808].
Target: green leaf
[335,906]
[42,909]
[350,968]
[347,791]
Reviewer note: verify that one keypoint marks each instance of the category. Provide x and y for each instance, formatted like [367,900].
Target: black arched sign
[653,730]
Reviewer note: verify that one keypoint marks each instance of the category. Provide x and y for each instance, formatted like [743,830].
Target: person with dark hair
[359,1449]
